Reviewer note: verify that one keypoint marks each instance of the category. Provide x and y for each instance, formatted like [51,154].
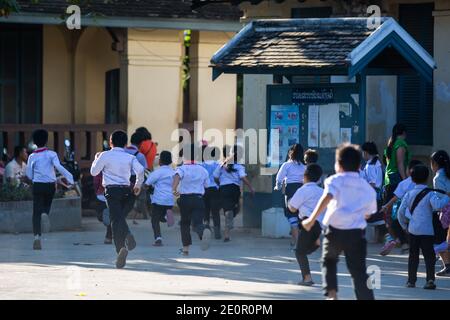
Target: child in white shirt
[304,201]
[162,199]
[349,201]
[291,175]
[41,171]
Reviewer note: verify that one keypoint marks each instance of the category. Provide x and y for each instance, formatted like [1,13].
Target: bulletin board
[328,115]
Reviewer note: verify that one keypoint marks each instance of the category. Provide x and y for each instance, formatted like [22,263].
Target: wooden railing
[86,139]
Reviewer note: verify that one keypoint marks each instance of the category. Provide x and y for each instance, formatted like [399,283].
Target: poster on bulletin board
[286,120]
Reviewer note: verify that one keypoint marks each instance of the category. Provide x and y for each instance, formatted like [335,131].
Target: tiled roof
[138,8]
[294,43]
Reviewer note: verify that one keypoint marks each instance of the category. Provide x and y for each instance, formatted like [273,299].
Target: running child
[373,174]
[349,201]
[416,216]
[291,175]
[162,200]
[396,235]
[189,184]
[41,171]
[311,156]
[230,176]
[116,166]
[304,201]
[212,197]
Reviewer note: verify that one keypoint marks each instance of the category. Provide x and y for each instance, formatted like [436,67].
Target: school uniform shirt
[403,187]
[353,199]
[211,166]
[14,171]
[420,222]
[441,182]
[373,173]
[290,172]
[233,177]
[193,179]
[116,166]
[305,200]
[41,167]
[161,179]
[133,150]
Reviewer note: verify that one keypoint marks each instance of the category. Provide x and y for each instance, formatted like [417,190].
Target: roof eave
[128,22]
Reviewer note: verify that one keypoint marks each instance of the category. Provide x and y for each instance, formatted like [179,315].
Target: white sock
[37,237]
[158,238]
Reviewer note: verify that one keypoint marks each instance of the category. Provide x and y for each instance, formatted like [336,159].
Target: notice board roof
[318,45]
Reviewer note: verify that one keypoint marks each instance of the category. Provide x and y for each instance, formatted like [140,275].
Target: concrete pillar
[255,88]
[154,82]
[214,102]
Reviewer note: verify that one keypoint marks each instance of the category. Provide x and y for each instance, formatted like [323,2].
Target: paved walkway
[77,265]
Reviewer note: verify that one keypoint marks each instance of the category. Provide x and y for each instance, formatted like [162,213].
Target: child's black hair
[371,149]
[414,163]
[40,137]
[230,166]
[144,133]
[119,138]
[349,157]
[313,172]
[311,156]
[419,174]
[210,153]
[18,150]
[442,160]
[295,153]
[136,139]
[397,130]
[165,157]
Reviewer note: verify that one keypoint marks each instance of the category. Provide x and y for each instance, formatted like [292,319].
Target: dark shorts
[229,197]
[289,192]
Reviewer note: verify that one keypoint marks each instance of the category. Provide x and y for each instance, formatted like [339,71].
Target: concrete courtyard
[77,265]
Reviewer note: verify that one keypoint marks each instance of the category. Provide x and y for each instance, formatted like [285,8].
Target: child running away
[189,184]
[291,175]
[116,166]
[349,201]
[304,201]
[162,199]
[229,176]
[41,171]
[416,216]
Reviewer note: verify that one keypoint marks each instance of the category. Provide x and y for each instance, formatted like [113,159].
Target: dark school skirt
[289,192]
[229,197]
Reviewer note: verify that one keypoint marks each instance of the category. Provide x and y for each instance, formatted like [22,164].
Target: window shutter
[415,96]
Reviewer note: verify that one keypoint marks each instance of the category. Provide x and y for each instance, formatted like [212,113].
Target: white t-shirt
[403,187]
[14,171]
[353,199]
[305,200]
[373,173]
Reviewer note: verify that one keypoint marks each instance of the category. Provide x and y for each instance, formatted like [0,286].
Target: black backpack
[422,195]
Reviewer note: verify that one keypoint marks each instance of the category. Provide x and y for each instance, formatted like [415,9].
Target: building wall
[215,101]
[56,74]
[154,82]
[94,57]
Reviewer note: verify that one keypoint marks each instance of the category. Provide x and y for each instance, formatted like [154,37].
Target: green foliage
[10,192]
[8,6]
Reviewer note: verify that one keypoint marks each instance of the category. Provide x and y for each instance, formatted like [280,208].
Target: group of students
[416,217]
[339,207]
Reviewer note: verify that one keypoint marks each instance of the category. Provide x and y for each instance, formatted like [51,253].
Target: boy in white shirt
[349,201]
[189,183]
[116,166]
[15,170]
[304,201]
[162,199]
[41,171]
[416,216]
